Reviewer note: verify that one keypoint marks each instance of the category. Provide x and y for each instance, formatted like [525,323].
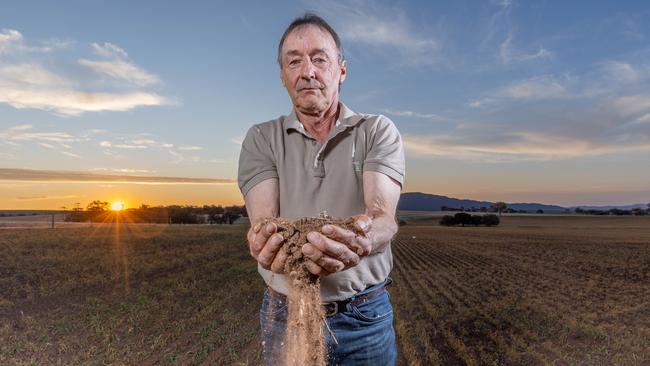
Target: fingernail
[363,224]
[269,228]
[312,236]
[276,239]
[256,228]
[307,250]
[327,229]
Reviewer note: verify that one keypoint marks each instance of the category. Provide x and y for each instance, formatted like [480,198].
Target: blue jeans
[364,332]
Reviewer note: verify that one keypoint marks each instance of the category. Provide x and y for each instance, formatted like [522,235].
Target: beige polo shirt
[314,178]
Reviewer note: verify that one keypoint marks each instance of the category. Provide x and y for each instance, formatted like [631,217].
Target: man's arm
[263,201]
[337,249]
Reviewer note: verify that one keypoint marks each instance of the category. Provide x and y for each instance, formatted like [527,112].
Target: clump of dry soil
[304,343]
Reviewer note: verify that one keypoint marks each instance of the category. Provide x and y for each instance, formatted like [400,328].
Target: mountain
[418,201]
[605,208]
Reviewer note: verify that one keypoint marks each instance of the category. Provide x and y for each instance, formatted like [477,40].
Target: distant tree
[96,210]
[499,207]
[540,211]
[476,220]
[490,220]
[579,210]
[463,218]
[97,206]
[448,220]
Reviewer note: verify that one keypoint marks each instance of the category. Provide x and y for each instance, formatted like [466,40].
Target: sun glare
[117,206]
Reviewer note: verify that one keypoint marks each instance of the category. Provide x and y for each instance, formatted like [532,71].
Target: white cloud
[121,69]
[23,133]
[625,72]
[11,42]
[540,87]
[536,88]
[122,170]
[143,142]
[190,148]
[28,84]
[72,155]
[508,53]
[10,39]
[118,66]
[632,104]
[368,23]
[512,147]
[408,113]
[108,50]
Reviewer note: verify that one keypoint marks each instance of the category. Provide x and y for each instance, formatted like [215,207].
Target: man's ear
[344,70]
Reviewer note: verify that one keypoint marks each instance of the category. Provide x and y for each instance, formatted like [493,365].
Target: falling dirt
[304,343]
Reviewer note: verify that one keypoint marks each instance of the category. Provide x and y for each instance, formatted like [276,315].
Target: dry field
[534,291]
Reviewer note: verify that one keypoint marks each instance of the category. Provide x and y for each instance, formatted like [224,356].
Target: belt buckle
[333,312]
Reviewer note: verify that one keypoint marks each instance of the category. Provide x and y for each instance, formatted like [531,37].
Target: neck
[319,123]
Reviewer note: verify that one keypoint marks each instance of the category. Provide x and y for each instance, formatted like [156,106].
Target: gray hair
[315,20]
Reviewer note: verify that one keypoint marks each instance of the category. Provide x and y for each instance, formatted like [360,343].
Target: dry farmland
[534,291]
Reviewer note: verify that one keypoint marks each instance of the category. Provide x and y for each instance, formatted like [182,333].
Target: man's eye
[294,62]
[319,60]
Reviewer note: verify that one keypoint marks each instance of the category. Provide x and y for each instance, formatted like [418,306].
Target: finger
[363,223]
[338,233]
[270,249]
[316,269]
[333,249]
[257,227]
[279,261]
[261,238]
[362,245]
[317,256]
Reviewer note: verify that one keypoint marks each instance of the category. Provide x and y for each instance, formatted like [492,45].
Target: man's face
[310,69]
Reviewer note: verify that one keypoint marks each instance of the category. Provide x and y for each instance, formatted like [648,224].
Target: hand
[336,249]
[265,243]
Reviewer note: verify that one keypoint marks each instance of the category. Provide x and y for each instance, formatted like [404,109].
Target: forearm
[381,194]
[263,201]
[382,231]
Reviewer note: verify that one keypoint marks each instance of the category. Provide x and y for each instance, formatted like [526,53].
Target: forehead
[308,38]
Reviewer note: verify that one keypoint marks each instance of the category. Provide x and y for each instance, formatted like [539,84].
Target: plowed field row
[540,298]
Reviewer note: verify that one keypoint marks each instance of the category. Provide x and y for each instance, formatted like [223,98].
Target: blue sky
[498,100]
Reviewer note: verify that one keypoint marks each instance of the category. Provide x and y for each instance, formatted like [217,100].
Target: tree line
[98,211]
[465,219]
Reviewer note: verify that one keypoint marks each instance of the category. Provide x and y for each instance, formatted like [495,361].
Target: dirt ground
[533,291]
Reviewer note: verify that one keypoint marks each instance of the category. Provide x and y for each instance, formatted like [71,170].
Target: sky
[147,102]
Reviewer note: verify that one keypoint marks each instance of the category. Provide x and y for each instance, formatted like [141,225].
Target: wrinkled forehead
[308,38]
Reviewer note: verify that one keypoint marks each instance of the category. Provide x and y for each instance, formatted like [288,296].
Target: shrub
[448,220]
[476,220]
[490,220]
[463,218]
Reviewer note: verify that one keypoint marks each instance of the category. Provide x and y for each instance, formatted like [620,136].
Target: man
[325,157]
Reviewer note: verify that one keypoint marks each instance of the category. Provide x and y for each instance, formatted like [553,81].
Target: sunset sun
[117,206]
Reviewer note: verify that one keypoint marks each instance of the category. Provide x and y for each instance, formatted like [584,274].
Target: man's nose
[308,70]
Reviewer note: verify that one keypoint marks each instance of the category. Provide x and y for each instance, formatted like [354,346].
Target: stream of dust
[304,343]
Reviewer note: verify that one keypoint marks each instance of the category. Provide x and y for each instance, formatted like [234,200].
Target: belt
[332,308]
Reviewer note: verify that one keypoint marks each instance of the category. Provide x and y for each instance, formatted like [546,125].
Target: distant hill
[417,201]
[605,208]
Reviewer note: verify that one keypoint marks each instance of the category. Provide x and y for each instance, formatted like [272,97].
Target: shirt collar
[347,118]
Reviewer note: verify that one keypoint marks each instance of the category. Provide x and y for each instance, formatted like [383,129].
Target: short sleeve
[386,152]
[256,160]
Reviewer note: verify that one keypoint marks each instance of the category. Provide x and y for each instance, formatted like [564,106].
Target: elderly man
[325,157]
